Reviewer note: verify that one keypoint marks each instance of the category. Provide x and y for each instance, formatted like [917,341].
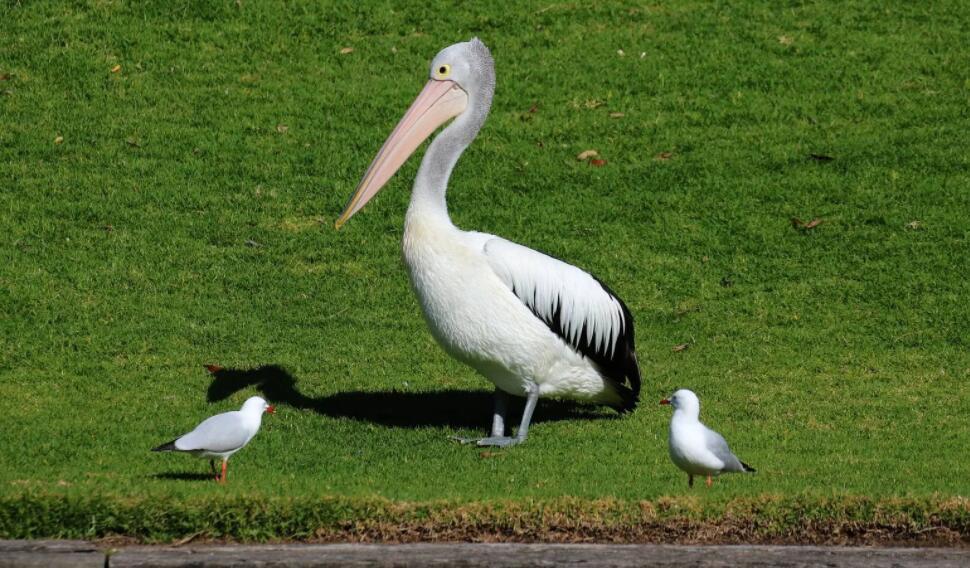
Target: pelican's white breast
[477,319]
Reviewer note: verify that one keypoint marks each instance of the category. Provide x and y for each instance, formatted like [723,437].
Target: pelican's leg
[498,418]
[501,410]
[505,441]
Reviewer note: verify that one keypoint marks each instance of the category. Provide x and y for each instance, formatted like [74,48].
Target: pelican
[530,323]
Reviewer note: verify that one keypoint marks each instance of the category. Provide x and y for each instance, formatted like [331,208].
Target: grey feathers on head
[481,49]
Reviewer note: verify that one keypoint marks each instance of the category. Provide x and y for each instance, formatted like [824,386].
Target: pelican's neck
[428,196]
[431,184]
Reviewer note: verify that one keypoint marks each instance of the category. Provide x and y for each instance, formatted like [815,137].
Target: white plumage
[694,447]
[533,325]
[493,304]
[559,293]
[222,435]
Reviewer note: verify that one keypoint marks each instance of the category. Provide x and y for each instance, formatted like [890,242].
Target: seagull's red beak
[271,409]
[665,401]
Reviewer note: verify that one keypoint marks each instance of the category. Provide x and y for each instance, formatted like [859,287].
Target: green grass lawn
[170,174]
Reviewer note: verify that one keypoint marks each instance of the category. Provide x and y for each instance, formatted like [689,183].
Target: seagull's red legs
[709,480]
[222,478]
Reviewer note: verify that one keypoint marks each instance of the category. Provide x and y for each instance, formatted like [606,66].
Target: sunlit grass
[179,211]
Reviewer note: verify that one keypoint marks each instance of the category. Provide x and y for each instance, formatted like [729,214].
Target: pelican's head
[461,78]
[468,65]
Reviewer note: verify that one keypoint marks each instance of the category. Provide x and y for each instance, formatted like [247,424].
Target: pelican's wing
[221,433]
[575,306]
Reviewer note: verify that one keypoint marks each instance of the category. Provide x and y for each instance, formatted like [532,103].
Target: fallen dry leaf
[108,228]
[4,76]
[213,368]
[664,156]
[59,140]
[486,454]
[799,224]
[116,68]
[282,128]
[914,225]
[785,40]
[133,143]
[252,243]
[185,540]
[597,162]
[821,157]
[346,50]
[679,348]
[587,154]
[620,52]
[533,109]
[616,115]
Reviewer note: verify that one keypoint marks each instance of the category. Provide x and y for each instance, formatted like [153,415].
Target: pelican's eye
[443,71]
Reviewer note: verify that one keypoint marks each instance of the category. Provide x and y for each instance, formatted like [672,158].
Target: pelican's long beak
[438,102]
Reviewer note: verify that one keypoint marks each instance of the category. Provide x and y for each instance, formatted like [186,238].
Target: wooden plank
[53,553]
[536,555]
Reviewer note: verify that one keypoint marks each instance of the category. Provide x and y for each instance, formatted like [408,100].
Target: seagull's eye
[444,71]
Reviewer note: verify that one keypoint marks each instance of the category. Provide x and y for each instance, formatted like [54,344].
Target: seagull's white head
[684,400]
[257,405]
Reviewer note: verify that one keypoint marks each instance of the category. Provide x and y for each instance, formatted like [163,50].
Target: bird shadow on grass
[183,476]
[447,408]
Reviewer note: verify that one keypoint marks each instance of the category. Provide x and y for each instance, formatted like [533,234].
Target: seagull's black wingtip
[748,468]
[167,447]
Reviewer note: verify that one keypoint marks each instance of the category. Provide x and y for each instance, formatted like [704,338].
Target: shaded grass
[177,224]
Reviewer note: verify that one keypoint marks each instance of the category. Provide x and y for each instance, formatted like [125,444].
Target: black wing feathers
[167,447]
[618,364]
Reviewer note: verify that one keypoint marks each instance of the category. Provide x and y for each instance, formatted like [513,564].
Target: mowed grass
[171,172]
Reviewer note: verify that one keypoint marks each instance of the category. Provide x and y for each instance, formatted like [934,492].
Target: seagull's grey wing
[220,433]
[719,447]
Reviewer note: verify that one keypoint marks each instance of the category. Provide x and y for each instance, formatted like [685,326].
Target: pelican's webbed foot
[463,440]
[500,441]
[498,437]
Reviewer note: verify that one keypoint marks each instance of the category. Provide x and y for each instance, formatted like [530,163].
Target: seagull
[222,435]
[694,447]
[531,324]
